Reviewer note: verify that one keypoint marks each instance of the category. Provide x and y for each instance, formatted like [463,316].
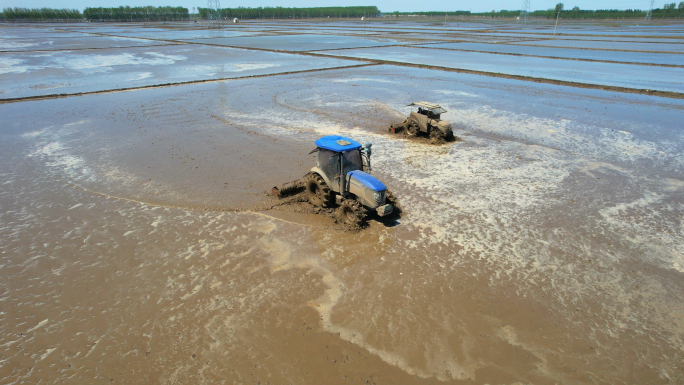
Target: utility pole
[525,11]
[650,12]
[554,28]
[214,11]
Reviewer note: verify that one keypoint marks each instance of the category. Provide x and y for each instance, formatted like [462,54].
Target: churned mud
[138,242]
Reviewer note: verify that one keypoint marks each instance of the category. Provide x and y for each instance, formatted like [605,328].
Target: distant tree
[559,7]
[681,5]
[282,13]
[41,14]
[147,13]
[576,8]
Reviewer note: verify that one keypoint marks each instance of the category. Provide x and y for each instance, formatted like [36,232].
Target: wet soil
[137,243]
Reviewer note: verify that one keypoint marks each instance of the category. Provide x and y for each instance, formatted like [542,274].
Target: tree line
[40,14]
[430,13]
[289,13]
[669,11]
[148,13]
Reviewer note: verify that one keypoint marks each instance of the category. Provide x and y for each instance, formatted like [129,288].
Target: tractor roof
[337,143]
[435,108]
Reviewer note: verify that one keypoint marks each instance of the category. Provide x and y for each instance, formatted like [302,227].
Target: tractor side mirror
[367,146]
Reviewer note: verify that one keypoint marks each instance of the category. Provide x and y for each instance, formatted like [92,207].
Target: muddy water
[545,247]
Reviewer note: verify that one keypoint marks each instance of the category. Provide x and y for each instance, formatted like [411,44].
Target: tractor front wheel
[317,191]
[436,135]
[391,199]
[351,213]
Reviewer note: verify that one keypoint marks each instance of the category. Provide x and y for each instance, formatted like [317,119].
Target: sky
[383,5]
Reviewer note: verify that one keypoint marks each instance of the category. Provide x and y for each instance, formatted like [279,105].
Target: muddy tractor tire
[412,128]
[449,137]
[351,213]
[436,135]
[391,199]
[317,191]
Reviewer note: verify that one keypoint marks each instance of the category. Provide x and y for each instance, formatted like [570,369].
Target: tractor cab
[342,174]
[431,110]
[337,156]
[427,121]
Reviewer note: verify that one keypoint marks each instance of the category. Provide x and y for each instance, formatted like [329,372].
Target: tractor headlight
[380,196]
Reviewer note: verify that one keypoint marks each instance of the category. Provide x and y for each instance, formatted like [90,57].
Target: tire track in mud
[257,209]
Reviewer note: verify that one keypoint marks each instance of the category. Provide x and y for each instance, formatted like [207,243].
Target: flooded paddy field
[183,35]
[137,242]
[72,43]
[105,28]
[8,34]
[565,53]
[608,74]
[304,42]
[610,45]
[549,35]
[46,73]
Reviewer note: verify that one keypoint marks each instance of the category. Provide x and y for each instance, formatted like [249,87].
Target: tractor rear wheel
[413,128]
[351,213]
[317,191]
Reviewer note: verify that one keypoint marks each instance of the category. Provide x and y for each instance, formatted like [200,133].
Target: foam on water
[140,76]
[239,67]
[648,224]
[10,65]
[103,63]
[13,45]
[363,80]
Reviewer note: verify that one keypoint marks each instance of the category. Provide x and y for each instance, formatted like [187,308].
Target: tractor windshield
[352,161]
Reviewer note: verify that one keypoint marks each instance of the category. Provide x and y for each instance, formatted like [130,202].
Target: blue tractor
[342,177]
